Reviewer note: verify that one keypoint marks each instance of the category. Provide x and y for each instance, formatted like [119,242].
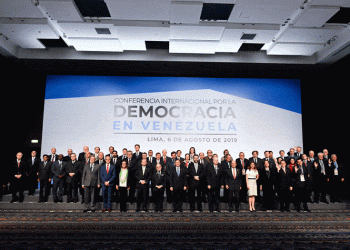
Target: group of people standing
[291,178]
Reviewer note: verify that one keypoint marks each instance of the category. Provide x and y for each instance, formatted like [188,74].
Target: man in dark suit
[233,183]
[137,155]
[90,180]
[226,164]
[73,173]
[132,167]
[158,179]
[300,174]
[124,155]
[336,176]
[143,176]
[31,171]
[243,163]
[319,173]
[16,175]
[58,174]
[82,155]
[178,184]
[258,161]
[178,155]
[151,159]
[44,177]
[284,183]
[53,156]
[170,163]
[283,157]
[196,172]
[108,174]
[209,157]
[215,181]
[164,157]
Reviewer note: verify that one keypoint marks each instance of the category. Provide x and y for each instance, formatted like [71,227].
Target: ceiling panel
[143,33]
[294,49]
[262,36]
[137,45]
[19,8]
[25,32]
[193,47]
[228,47]
[59,10]
[338,3]
[195,32]
[316,16]
[185,12]
[87,29]
[139,9]
[309,35]
[96,44]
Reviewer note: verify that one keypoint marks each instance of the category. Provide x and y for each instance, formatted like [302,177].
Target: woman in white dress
[252,175]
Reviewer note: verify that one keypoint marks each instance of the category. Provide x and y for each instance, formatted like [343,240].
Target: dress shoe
[104,210]
[109,210]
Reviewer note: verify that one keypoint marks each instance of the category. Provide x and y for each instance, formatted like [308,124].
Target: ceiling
[229,31]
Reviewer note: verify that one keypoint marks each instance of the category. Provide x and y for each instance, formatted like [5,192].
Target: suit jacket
[297,177]
[233,184]
[140,176]
[137,158]
[239,164]
[17,170]
[98,162]
[206,158]
[76,168]
[32,169]
[44,171]
[81,157]
[213,179]
[332,167]
[91,177]
[115,162]
[166,159]
[284,180]
[57,170]
[107,177]
[50,156]
[178,182]
[192,173]
[157,180]
[259,162]
[267,178]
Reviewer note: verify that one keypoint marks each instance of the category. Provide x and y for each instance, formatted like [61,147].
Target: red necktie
[107,168]
[234,173]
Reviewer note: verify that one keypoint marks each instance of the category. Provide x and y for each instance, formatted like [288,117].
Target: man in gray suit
[90,181]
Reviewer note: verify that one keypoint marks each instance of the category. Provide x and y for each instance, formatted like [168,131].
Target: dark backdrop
[324,94]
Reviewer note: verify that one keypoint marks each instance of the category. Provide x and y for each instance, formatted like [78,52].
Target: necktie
[92,167]
[216,170]
[243,163]
[53,158]
[107,168]
[33,161]
[178,171]
[164,160]
[234,173]
[143,170]
[336,165]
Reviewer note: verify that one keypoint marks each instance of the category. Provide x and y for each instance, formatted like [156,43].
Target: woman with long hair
[252,176]
[123,185]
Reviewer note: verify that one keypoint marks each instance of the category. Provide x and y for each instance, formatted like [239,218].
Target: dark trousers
[243,192]
[16,185]
[32,182]
[214,199]
[268,198]
[142,198]
[320,187]
[57,189]
[107,196]
[284,199]
[177,199]
[233,198]
[72,191]
[335,188]
[301,197]
[89,194]
[123,198]
[193,199]
[132,190]
[158,198]
[44,191]
[169,194]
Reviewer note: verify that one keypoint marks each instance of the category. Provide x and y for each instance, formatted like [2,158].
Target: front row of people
[192,180]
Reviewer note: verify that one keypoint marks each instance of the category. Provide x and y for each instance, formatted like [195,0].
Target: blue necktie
[178,171]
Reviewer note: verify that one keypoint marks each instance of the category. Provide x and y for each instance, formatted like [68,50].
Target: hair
[250,168]
[173,153]
[137,145]
[194,150]
[256,151]
[126,162]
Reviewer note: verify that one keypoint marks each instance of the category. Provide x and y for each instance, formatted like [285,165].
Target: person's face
[283,164]
[130,155]
[137,148]
[100,156]
[92,159]
[241,156]
[178,153]
[53,151]
[325,152]
[270,154]
[173,156]
[320,156]
[124,151]
[123,164]
[312,154]
[267,154]
[292,151]
[159,167]
[111,150]
[195,158]
[233,164]
[144,156]
[60,157]
[45,158]
[334,158]
[69,151]
[282,153]
[115,155]
[215,161]
[143,162]
[164,152]
[87,155]
[177,163]
[228,158]
[266,164]
[108,159]
[255,155]
[150,153]
[299,149]
[86,149]
[97,150]
[33,153]
[201,156]
[192,150]
[158,156]
[300,162]
[19,156]
[210,153]
[73,157]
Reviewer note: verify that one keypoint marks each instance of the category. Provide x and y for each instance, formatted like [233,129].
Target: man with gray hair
[319,172]
[90,181]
